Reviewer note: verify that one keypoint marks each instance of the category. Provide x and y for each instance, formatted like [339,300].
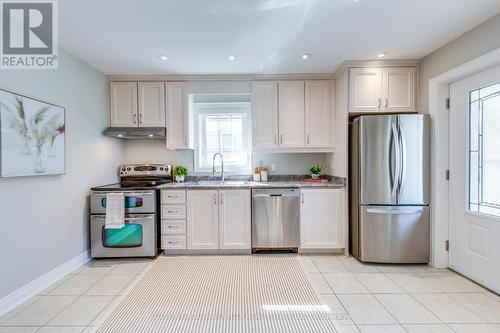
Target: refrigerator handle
[402,153]
[394,183]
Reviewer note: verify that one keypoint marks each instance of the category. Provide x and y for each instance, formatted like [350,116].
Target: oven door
[135,202]
[136,239]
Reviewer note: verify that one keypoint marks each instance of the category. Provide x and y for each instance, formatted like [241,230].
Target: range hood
[136,132]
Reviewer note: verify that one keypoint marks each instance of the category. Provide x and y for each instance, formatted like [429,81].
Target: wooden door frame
[439,91]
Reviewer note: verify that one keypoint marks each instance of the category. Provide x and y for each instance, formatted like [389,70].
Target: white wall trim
[31,289]
[438,92]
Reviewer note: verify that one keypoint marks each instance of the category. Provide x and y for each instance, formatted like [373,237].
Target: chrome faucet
[222,165]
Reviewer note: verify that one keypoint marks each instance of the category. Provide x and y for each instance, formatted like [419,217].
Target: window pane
[484,150]
[223,130]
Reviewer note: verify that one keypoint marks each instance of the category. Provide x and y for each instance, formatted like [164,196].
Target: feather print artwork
[32,136]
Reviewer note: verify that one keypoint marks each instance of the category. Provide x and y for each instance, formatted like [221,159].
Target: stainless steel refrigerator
[389,188]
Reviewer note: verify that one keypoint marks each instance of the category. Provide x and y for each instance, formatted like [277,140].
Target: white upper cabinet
[151,104]
[388,89]
[234,219]
[202,219]
[265,114]
[123,104]
[291,114]
[178,122]
[318,113]
[321,212]
[365,89]
[399,89]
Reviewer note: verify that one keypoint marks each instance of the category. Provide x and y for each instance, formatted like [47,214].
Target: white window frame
[229,107]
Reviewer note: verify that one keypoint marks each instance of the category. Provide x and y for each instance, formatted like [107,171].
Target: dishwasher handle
[270,195]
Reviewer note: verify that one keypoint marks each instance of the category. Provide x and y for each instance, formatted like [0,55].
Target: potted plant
[316,171]
[180,173]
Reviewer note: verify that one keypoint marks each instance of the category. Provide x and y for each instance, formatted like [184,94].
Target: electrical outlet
[273,167]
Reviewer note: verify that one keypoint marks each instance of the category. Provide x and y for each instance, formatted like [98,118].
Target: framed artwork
[32,137]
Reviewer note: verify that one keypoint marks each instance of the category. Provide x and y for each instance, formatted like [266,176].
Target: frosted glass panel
[484,150]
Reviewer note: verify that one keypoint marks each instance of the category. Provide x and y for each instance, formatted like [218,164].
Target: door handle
[302,197]
[386,103]
[307,139]
[379,103]
[402,151]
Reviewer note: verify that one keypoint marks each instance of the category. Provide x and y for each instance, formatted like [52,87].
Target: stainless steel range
[138,237]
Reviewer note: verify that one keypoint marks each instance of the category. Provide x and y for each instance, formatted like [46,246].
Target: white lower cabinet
[321,216]
[202,219]
[234,219]
[218,219]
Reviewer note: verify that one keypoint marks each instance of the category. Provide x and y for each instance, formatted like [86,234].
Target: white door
[475,177]
[365,89]
[123,104]
[320,219]
[291,114]
[151,104]
[234,219]
[265,114]
[202,219]
[318,113]
[398,89]
[177,115]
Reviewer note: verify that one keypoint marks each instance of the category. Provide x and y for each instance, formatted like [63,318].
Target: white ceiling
[268,36]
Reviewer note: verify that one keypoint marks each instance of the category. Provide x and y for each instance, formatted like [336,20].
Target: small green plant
[316,169]
[180,170]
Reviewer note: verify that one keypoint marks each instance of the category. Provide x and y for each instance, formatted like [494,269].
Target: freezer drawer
[394,234]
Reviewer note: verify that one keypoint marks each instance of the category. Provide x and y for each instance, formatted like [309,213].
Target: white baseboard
[31,289]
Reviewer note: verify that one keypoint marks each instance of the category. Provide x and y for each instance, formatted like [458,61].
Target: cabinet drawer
[173,242]
[173,227]
[173,212]
[173,197]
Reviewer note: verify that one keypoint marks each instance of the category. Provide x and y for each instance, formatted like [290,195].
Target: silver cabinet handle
[221,198]
[185,139]
[135,118]
[386,103]
[215,199]
[379,103]
[281,139]
[173,211]
[140,118]
[308,139]
[172,196]
[173,242]
[302,196]
[274,139]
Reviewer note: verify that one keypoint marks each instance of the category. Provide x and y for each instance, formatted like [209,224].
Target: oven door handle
[125,194]
[102,217]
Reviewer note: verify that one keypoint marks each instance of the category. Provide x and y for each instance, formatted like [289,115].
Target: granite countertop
[244,182]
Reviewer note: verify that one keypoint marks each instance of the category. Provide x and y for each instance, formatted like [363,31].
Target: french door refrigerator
[389,188]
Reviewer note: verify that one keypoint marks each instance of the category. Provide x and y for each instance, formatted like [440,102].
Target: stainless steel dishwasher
[275,219]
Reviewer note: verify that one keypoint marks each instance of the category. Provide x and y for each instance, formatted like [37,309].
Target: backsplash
[155,151]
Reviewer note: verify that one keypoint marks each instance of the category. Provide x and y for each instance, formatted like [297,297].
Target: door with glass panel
[475,177]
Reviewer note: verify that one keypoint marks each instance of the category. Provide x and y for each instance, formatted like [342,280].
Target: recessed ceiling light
[381,55]
[306,56]
[231,57]
[163,57]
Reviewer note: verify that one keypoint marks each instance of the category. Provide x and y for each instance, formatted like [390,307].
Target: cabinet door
[234,219]
[265,114]
[365,89]
[202,219]
[399,87]
[151,104]
[320,219]
[177,116]
[291,114]
[318,113]
[123,104]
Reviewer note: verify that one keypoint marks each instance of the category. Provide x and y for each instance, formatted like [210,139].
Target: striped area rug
[221,294]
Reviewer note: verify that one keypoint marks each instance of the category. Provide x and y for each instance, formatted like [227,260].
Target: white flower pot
[314,176]
[179,178]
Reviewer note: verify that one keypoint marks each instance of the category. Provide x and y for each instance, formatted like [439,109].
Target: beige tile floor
[361,298]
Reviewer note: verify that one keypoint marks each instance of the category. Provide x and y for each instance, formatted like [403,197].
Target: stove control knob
[161,168]
[128,169]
